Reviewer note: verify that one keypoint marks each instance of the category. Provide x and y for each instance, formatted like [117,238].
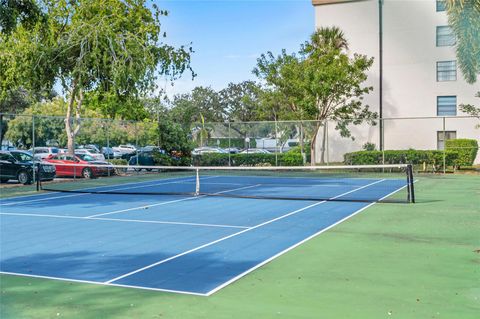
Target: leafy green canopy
[104,51]
[464,18]
[321,82]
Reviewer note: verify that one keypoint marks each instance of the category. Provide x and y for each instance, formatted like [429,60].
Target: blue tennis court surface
[184,244]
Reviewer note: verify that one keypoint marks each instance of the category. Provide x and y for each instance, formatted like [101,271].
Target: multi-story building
[421,76]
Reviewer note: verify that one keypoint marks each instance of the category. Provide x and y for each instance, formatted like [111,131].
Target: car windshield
[22,157]
[86,157]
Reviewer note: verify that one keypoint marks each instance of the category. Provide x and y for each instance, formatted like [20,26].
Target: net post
[197,182]
[410,186]
[37,169]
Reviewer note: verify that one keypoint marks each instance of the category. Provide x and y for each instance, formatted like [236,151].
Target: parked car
[142,159]
[254,151]
[19,165]
[80,166]
[232,150]
[125,149]
[90,147]
[44,152]
[207,149]
[110,153]
[96,155]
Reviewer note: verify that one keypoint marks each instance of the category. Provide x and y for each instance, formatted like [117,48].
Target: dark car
[142,159]
[19,165]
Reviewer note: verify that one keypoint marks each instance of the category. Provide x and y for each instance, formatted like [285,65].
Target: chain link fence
[325,143]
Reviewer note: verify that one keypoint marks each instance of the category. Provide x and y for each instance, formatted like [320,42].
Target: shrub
[118,161]
[291,158]
[169,160]
[161,159]
[466,148]
[434,158]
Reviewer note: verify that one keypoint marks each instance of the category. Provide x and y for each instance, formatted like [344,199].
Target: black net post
[410,183]
[37,181]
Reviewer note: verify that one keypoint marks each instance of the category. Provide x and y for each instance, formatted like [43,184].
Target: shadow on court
[92,266]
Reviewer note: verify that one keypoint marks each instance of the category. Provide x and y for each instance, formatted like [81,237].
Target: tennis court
[152,234]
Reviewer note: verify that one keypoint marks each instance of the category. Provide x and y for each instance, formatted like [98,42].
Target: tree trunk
[312,145]
[72,126]
[324,139]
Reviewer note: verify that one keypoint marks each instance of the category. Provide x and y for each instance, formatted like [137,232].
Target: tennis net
[366,183]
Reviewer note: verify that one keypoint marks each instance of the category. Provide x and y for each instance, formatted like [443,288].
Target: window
[441,5]
[5,157]
[443,136]
[446,71]
[445,37]
[446,105]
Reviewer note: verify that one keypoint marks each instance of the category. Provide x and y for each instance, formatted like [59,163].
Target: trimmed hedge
[234,142]
[434,158]
[216,159]
[466,148]
[118,161]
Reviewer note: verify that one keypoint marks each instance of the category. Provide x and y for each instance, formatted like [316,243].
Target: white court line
[235,234]
[283,185]
[127,220]
[82,194]
[165,203]
[96,187]
[211,292]
[101,283]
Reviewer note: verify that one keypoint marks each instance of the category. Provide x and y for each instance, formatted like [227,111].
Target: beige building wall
[410,86]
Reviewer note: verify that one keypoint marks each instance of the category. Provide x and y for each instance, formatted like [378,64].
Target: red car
[76,166]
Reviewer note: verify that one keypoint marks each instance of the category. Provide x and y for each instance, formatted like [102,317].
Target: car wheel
[87,173]
[24,178]
[149,169]
[137,169]
[4,180]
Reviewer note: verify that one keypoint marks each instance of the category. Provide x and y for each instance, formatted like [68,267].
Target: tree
[188,108]
[241,101]
[110,46]
[472,110]
[464,18]
[321,82]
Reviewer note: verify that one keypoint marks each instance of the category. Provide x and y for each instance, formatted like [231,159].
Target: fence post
[444,147]
[33,149]
[327,144]
[302,146]
[382,138]
[276,143]
[229,145]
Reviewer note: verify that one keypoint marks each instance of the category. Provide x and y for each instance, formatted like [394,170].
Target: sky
[229,35]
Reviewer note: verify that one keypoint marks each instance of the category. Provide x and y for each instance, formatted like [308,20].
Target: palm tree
[322,41]
[326,38]
[464,18]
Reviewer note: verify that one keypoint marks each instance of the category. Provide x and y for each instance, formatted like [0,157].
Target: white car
[255,151]
[44,152]
[91,152]
[206,149]
[125,149]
